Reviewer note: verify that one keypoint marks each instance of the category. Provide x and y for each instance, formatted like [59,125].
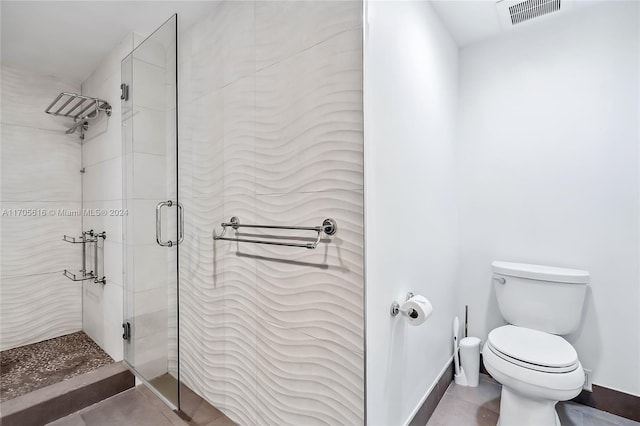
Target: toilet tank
[543,298]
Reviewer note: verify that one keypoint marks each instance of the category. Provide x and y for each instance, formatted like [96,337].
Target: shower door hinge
[127,331]
[124,92]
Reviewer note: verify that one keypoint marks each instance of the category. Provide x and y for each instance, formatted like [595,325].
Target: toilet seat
[530,389]
[533,349]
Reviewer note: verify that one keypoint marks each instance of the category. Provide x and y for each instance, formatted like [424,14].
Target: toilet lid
[534,347]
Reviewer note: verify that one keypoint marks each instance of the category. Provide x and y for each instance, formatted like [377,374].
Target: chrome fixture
[159,207]
[328,227]
[501,280]
[87,237]
[395,308]
[80,108]
[124,92]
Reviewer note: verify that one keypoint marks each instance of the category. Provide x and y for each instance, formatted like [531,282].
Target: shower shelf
[79,240]
[87,237]
[74,277]
[80,108]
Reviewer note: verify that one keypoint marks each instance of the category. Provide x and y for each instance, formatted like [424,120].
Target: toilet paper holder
[395,308]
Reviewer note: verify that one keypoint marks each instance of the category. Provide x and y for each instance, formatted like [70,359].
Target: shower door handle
[180,223]
[159,207]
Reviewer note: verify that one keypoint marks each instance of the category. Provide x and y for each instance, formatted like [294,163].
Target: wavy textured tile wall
[33,245]
[40,170]
[39,165]
[25,96]
[309,119]
[38,307]
[273,335]
[284,28]
[310,312]
[315,292]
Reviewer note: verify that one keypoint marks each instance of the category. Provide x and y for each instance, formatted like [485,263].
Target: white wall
[102,159]
[411,69]
[548,166]
[40,167]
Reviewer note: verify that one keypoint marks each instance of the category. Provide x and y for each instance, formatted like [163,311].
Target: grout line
[357,28]
[59,132]
[40,201]
[276,194]
[32,275]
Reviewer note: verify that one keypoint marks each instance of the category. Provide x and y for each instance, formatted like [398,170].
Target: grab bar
[328,227]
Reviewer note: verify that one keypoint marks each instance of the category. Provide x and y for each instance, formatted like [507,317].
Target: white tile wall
[26,95]
[147,78]
[40,170]
[146,182]
[103,181]
[102,158]
[33,245]
[309,119]
[101,140]
[149,157]
[285,28]
[39,165]
[149,132]
[38,307]
[271,132]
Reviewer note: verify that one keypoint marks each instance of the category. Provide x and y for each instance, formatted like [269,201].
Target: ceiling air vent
[513,12]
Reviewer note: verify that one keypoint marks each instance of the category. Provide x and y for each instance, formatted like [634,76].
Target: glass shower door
[153,228]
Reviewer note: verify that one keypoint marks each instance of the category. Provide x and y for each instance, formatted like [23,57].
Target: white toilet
[536,367]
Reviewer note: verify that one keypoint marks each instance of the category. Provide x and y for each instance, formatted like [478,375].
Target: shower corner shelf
[78,107]
[87,237]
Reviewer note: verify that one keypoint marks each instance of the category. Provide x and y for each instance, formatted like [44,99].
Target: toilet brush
[459,376]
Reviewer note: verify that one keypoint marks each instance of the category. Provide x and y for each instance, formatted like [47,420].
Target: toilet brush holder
[470,360]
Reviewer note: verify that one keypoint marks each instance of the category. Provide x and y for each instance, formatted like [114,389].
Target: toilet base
[518,410]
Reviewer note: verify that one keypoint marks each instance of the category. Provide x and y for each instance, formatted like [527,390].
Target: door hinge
[127,331]
[124,92]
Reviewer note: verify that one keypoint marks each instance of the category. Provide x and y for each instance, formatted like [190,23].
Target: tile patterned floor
[27,368]
[465,406]
[460,406]
[140,407]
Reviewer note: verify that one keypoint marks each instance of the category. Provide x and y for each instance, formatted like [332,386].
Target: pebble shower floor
[30,367]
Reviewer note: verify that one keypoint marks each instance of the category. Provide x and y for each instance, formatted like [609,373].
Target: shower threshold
[195,409]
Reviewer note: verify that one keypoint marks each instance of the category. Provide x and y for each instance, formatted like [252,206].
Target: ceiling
[470,21]
[68,39]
